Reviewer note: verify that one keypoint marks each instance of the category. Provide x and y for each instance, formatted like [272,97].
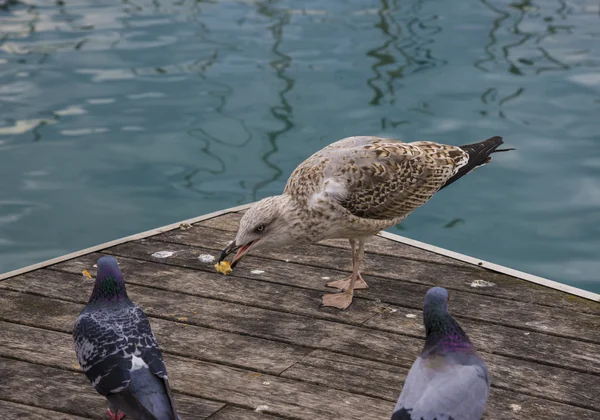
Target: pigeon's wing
[378,178]
[445,388]
[113,347]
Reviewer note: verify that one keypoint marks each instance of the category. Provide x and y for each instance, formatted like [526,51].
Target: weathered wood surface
[258,338]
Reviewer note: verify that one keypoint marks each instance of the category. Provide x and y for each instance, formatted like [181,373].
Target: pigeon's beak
[232,247]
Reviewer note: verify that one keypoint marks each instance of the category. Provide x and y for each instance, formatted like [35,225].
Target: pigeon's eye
[260,228]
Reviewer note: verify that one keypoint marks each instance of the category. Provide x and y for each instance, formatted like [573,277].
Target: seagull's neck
[307,223]
[443,333]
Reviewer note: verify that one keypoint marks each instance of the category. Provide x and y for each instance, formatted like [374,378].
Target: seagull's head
[267,224]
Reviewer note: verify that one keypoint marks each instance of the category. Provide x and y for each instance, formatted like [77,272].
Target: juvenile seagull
[352,189]
[118,352]
[449,380]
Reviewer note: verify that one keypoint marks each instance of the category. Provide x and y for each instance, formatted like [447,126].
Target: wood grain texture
[345,373]
[213,381]
[557,384]
[507,341]
[10,410]
[70,392]
[178,337]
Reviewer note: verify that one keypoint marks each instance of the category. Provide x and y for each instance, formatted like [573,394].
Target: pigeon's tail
[402,414]
[479,155]
[147,397]
[127,402]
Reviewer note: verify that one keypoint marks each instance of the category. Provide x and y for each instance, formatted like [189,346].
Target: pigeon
[353,189]
[449,380]
[118,353]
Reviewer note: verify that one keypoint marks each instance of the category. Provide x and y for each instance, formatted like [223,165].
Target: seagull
[118,353]
[352,189]
[449,380]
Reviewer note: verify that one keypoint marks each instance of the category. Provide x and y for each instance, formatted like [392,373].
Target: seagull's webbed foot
[337,300]
[344,283]
[118,415]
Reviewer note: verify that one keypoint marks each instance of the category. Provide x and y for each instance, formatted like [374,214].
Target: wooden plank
[420,272]
[381,380]
[10,410]
[214,382]
[60,390]
[527,316]
[209,283]
[176,337]
[530,378]
[502,340]
[70,392]
[320,367]
[283,397]
[236,413]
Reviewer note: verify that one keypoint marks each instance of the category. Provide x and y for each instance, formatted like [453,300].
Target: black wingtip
[479,155]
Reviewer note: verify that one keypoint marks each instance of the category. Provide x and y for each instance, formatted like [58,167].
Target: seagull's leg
[344,299]
[117,415]
[344,283]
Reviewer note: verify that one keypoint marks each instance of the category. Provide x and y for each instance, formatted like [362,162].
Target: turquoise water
[117,117]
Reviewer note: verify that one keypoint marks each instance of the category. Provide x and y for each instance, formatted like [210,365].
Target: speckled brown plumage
[384,179]
[352,189]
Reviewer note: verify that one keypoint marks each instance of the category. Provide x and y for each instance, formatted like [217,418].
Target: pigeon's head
[442,331]
[109,281]
[267,224]
[436,298]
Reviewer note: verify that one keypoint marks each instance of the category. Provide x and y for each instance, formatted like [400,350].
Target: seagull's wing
[445,388]
[115,349]
[379,178]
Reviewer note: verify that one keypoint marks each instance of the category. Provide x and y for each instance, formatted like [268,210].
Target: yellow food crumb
[223,267]
[182,318]
[86,274]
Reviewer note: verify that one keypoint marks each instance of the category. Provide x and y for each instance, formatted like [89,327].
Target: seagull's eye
[259,228]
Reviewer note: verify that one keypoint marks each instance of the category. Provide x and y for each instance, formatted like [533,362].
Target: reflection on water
[405,51]
[283,110]
[116,118]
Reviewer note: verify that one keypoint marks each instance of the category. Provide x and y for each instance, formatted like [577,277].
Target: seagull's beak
[232,247]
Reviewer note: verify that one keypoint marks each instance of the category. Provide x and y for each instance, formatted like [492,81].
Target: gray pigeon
[118,352]
[449,380]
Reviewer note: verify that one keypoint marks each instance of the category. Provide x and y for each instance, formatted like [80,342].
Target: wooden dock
[257,340]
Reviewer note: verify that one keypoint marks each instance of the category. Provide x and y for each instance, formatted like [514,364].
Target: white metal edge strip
[120,241]
[491,266]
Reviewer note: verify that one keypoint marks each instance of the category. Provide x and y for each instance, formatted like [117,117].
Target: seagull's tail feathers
[479,155]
